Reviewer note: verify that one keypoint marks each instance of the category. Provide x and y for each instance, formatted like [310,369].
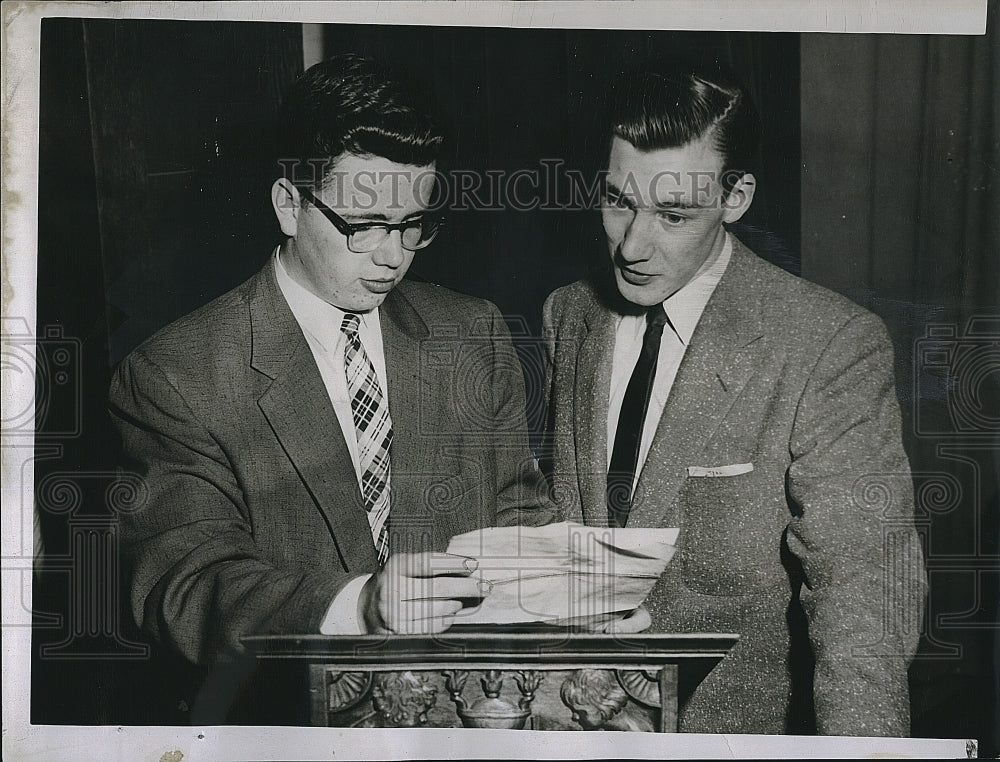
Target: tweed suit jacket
[254,519]
[811,556]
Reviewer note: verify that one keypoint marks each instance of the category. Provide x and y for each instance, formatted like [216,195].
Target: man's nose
[390,252]
[638,239]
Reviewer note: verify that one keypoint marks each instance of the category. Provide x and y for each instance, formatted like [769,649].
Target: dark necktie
[625,456]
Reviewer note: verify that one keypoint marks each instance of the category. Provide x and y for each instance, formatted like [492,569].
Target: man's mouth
[634,277]
[379,285]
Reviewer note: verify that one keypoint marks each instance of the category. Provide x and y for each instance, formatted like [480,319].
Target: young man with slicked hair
[694,385]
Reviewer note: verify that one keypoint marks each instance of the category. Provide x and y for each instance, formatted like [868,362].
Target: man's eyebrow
[374,217]
[361,219]
[613,190]
[662,206]
[666,206]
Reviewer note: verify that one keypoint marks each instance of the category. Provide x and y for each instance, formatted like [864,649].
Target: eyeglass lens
[416,235]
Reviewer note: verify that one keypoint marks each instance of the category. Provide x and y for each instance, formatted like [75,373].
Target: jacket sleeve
[198,581]
[522,493]
[864,581]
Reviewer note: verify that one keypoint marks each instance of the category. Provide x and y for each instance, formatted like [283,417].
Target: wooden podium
[543,679]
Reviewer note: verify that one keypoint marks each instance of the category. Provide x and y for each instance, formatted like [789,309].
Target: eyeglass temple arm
[347,228]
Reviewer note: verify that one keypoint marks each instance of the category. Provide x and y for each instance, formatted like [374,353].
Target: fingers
[429,626]
[434,564]
[425,611]
[637,621]
[422,592]
[426,615]
[600,622]
[429,588]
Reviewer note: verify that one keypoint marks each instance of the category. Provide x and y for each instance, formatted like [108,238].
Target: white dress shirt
[684,308]
[320,323]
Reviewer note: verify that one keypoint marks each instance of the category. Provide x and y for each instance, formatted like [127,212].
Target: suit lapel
[402,330]
[723,354]
[593,383]
[298,408]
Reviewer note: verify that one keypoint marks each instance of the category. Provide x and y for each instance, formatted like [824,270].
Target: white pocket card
[734,470]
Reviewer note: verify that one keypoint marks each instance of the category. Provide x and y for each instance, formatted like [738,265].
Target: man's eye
[672,219]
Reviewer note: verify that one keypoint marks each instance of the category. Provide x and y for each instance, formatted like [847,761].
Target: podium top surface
[496,646]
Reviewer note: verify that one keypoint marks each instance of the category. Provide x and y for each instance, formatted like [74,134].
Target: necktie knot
[351,324]
[656,318]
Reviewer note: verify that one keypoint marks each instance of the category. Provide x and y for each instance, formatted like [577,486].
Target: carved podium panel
[543,680]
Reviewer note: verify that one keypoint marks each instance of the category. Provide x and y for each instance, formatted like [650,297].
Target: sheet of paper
[562,571]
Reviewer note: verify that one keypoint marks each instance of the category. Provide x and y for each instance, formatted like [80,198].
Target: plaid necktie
[374,431]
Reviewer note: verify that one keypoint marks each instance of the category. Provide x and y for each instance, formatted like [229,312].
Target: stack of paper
[561,571]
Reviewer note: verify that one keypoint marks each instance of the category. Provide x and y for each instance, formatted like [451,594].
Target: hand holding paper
[562,571]
[418,593]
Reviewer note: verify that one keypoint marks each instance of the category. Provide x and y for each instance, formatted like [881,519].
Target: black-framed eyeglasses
[363,237]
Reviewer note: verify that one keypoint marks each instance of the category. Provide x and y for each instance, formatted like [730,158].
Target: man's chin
[365,302]
[639,296]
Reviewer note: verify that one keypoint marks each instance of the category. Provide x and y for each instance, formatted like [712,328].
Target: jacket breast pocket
[730,533]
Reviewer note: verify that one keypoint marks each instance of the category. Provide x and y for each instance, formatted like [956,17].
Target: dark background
[153,199]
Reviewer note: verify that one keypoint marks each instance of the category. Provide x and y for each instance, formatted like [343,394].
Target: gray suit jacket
[253,519]
[811,556]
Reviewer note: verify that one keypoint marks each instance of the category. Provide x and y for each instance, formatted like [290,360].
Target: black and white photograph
[512,380]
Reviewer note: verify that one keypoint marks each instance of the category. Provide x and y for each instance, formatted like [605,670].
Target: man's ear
[739,198]
[285,200]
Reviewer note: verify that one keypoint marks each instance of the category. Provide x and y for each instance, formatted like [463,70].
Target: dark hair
[671,102]
[351,104]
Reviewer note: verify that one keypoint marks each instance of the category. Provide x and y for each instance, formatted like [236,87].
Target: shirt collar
[320,319]
[685,306]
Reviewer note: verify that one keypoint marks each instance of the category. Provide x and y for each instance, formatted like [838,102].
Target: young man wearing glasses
[311,440]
